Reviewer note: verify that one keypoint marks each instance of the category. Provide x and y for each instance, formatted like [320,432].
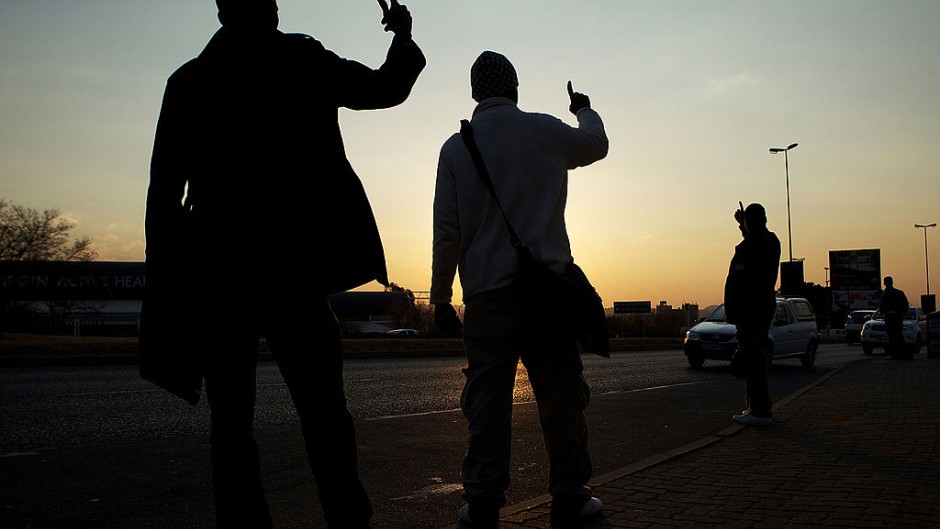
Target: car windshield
[859,317]
[718,315]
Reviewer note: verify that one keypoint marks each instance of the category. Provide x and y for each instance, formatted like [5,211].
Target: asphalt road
[98,447]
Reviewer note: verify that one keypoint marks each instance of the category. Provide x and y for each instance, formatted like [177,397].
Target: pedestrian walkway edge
[657,459]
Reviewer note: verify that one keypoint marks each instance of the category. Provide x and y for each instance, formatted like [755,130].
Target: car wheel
[696,361]
[867,349]
[918,344]
[809,357]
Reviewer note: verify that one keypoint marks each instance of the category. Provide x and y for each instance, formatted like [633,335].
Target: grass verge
[38,350]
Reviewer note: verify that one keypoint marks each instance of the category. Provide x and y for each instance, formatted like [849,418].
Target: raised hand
[578,100]
[396,18]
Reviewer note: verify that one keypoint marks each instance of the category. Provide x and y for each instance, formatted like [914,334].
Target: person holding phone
[750,304]
[248,166]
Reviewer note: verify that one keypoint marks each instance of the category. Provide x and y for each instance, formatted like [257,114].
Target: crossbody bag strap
[466,132]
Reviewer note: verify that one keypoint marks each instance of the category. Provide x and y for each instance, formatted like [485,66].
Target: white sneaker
[464,514]
[753,420]
[592,507]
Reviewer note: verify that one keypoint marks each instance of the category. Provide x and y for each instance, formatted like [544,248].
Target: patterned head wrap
[492,75]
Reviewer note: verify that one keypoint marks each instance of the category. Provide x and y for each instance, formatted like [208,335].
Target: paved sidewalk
[859,448]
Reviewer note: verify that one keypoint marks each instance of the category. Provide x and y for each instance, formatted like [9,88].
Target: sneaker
[592,507]
[567,513]
[750,419]
[463,515]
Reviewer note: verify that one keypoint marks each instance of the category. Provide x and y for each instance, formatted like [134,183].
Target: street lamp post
[786,161]
[926,260]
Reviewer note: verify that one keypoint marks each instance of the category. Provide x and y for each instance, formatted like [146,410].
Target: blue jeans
[496,335]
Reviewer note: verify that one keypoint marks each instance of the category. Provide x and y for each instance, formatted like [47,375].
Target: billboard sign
[855,279]
[633,307]
[58,280]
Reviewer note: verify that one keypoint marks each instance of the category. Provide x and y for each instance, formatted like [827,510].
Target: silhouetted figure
[254,208]
[893,306]
[528,156]
[750,304]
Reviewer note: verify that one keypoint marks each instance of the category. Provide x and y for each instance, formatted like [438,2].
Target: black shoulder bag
[570,293]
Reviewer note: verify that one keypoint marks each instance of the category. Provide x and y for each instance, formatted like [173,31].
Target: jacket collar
[494,102]
[225,41]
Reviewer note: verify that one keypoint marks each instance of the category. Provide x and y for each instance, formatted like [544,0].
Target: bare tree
[27,234]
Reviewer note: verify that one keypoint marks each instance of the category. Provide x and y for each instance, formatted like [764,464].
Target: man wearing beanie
[248,166]
[528,156]
[750,304]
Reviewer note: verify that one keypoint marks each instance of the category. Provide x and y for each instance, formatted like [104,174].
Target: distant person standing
[248,171]
[893,306]
[528,156]
[750,304]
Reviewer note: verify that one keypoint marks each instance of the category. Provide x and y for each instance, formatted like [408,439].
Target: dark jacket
[893,303]
[249,172]
[251,127]
[750,297]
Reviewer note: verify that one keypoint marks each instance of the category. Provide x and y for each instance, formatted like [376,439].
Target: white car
[793,334]
[403,332]
[914,330]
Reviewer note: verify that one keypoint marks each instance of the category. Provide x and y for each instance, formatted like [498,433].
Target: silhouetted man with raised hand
[750,304]
[248,175]
[528,156]
[893,305]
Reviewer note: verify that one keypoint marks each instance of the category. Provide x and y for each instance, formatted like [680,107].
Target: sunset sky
[693,94]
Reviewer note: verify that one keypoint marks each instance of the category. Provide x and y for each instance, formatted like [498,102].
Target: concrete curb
[657,459]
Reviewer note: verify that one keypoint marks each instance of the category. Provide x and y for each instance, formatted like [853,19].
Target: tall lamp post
[786,160]
[926,260]
[928,302]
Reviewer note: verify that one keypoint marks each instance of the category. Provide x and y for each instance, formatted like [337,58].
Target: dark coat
[893,303]
[750,296]
[251,127]
[249,172]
